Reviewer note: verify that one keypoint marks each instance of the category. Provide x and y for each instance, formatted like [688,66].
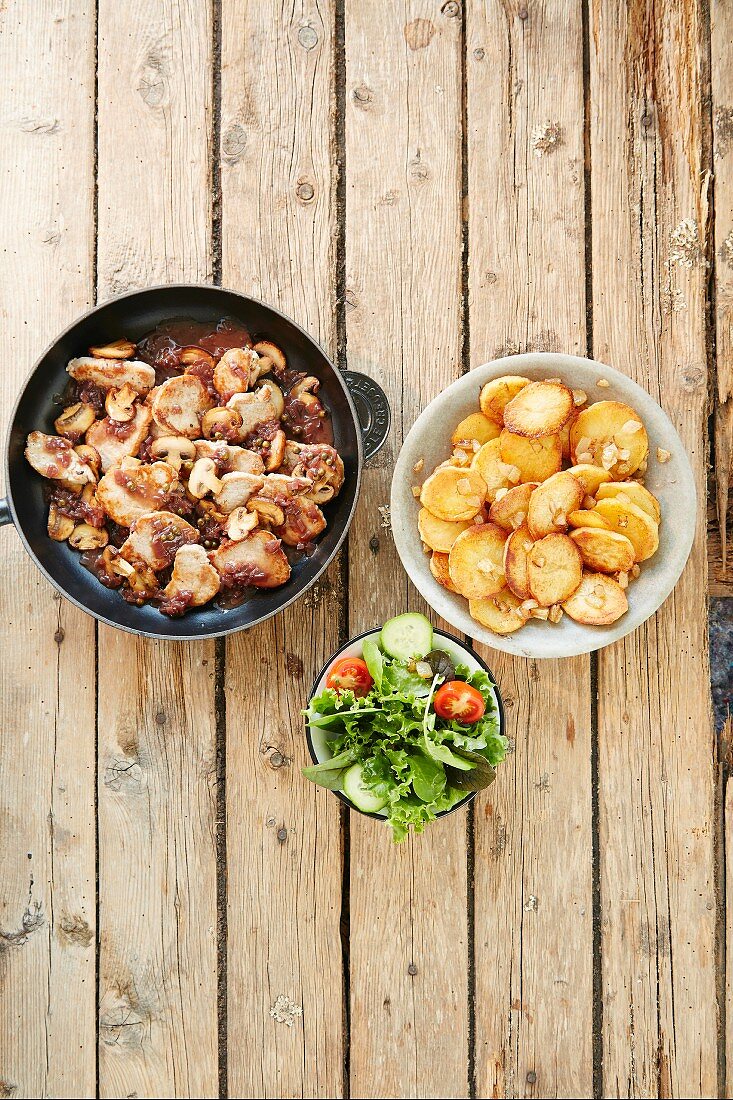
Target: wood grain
[721,69]
[655,740]
[157,775]
[278,179]
[408,927]
[47,882]
[533,903]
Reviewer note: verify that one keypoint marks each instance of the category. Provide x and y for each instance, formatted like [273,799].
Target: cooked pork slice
[112,373]
[229,458]
[236,490]
[257,560]
[115,440]
[156,537]
[131,489]
[179,404]
[235,372]
[55,458]
[194,581]
[319,462]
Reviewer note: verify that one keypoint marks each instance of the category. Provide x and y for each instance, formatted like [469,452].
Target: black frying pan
[359,413]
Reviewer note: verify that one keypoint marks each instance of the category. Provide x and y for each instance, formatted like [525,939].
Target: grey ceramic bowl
[671,482]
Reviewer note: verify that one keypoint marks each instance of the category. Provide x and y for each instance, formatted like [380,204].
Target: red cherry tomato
[350,674]
[459,701]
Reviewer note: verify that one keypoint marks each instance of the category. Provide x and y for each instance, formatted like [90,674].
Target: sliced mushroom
[272,358]
[86,537]
[195,581]
[75,420]
[120,404]
[114,440]
[241,523]
[257,560]
[112,373]
[275,451]
[59,526]
[321,493]
[156,537]
[222,424]
[203,479]
[118,349]
[257,407]
[55,458]
[174,449]
[193,354]
[268,512]
[179,405]
[236,489]
[127,492]
[236,371]
[309,384]
[90,455]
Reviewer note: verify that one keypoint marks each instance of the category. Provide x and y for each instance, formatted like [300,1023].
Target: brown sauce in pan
[163,347]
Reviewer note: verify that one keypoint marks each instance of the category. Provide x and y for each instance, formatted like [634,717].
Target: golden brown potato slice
[605,551]
[551,503]
[516,561]
[554,569]
[611,435]
[453,494]
[585,517]
[635,523]
[536,459]
[496,473]
[439,569]
[496,394]
[541,408]
[636,493]
[439,534]
[501,613]
[509,510]
[476,561]
[590,477]
[475,426]
[598,601]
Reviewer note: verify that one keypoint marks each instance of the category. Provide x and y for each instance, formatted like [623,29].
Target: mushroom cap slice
[114,440]
[257,560]
[194,578]
[236,490]
[179,405]
[112,373]
[127,492]
[55,458]
[156,537]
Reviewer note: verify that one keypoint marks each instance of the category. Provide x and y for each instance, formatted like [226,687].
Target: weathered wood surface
[278,183]
[384,172]
[526,283]
[157,741]
[656,757]
[47,865]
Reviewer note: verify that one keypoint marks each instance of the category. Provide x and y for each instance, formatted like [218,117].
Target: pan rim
[201,633]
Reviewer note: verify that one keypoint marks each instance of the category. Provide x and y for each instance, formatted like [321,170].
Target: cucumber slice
[407,636]
[361,796]
[372,655]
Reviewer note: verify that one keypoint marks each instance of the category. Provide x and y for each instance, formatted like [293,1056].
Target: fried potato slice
[510,509]
[475,563]
[554,569]
[636,493]
[611,435]
[496,473]
[501,613]
[541,408]
[439,569]
[551,502]
[585,517]
[536,459]
[516,561]
[495,395]
[453,494]
[475,426]
[634,522]
[604,551]
[590,477]
[598,601]
[439,534]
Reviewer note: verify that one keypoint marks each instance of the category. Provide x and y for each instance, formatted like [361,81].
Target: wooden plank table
[423,185]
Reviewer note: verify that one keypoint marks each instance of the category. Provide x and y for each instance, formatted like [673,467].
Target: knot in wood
[282,835]
[305,192]
[412,970]
[307,37]
[479,53]
[531,1077]
[451,9]
[59,636]
[523,14]
[362,95]
[234,143]
[374,544]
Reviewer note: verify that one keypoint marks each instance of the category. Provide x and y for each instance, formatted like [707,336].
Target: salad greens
[399,754]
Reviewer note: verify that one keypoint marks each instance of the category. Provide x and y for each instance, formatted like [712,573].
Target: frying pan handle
[5,513]
[372,408]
